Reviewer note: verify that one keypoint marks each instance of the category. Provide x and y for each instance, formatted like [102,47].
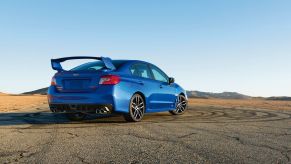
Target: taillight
[53,82]
[109,80]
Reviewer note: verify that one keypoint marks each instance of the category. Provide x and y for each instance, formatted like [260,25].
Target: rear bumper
[113,95]
[82,108]
[102,95]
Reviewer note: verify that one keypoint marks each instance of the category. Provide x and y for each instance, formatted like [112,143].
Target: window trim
[163,73]
[134,65]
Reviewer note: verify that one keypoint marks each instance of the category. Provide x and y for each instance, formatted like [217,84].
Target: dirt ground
[210,131]
[17,103]
[249,103]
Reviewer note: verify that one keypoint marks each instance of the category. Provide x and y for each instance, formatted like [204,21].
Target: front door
[165,95]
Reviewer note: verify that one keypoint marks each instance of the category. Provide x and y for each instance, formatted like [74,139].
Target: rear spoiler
[56,63]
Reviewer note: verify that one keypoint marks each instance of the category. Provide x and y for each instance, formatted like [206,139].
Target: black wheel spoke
[140,105]
[135,113]
[138,114]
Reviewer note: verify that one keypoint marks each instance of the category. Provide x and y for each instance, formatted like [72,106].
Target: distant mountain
[223,95]
[2,93]
[282,98]
[42,91]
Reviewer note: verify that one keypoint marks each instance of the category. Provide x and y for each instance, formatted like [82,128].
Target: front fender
[180,90]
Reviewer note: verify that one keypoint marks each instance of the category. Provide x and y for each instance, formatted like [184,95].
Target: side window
[140,70]
[134,70]
[159,74]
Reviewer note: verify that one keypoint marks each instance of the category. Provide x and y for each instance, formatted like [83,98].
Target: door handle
[161,86]
[140,82]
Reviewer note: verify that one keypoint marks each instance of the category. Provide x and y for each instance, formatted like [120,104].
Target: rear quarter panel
[125,90]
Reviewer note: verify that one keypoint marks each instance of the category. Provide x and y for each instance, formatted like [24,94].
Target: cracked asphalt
[202,135]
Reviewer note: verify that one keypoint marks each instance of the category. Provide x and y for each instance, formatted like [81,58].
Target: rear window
[96,66]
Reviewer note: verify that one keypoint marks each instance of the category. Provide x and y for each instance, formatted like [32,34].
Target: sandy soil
[254,103]
[16,103]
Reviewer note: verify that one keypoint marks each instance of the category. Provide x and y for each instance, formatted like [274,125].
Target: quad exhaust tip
[103,110]
[53,109]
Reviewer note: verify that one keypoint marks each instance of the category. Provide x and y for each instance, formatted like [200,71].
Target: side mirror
[171,80]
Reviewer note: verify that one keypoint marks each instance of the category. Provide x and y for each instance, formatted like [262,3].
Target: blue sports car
[128,87]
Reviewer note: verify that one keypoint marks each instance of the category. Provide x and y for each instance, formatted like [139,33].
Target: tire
[181,105]
[136,109]
[76,116]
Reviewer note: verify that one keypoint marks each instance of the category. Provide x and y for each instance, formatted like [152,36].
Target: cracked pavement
[202,135]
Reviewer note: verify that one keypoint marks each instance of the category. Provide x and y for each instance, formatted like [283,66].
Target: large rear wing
[56,63]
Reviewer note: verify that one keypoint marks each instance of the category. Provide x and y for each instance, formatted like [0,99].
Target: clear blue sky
[207,45]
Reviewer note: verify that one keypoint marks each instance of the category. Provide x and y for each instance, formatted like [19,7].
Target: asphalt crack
[72,134]
[187,135]
[283,152]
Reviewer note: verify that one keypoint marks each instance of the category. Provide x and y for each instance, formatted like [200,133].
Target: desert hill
[42,91]
[282,98]
[2,93]
[223,95]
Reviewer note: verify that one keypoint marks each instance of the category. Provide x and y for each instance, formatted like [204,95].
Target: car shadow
[8,119]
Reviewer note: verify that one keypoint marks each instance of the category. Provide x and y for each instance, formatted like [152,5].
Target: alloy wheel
[181,105]
[136,109]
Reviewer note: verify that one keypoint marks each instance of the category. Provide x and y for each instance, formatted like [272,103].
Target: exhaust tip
[103,110]
[106,109]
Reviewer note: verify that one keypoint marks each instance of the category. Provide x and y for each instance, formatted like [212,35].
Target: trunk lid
[77,81]
[84,78]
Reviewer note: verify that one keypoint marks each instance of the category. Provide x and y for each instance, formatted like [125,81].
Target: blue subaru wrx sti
[128,87]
